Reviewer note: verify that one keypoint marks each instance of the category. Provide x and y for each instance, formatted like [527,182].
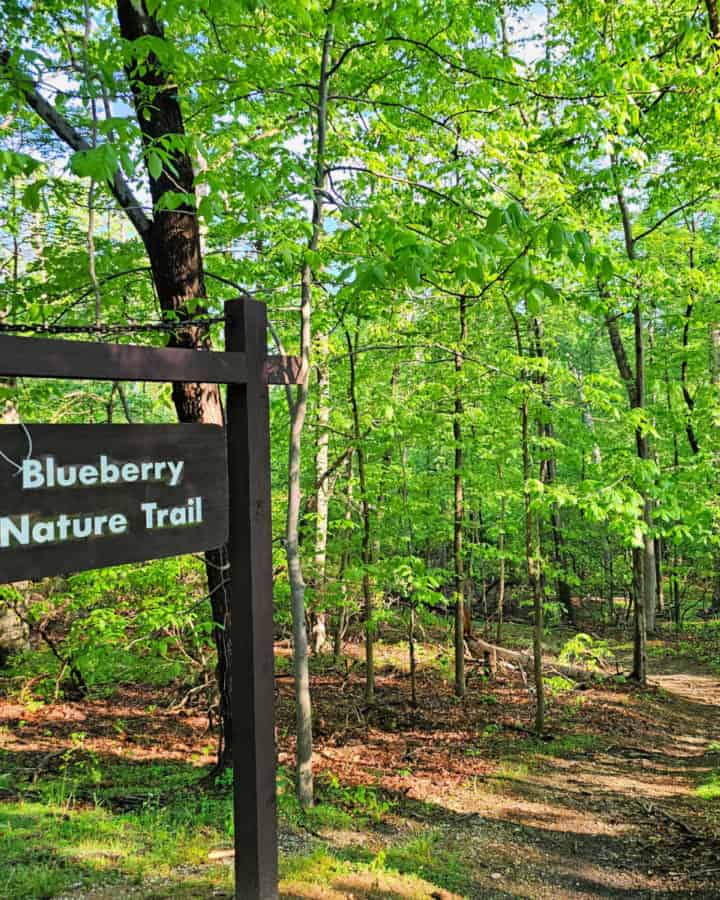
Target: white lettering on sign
[46,473]
[32,529]
[173,516]
[21,530]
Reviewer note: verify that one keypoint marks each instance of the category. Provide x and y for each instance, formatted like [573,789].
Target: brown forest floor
[463,801]
[605,809]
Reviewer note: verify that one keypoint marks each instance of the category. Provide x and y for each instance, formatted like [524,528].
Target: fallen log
[524,661]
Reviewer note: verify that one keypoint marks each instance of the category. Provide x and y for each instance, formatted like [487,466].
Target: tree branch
[618,348]
[410,183]
[669,215]
[343,56]
[67,133]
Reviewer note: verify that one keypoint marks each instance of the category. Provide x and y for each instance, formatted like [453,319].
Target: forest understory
[452,798]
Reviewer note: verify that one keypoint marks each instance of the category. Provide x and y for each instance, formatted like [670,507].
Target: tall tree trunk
[639,672]
[413,661]
[649,584]
[687,396]
[172,241]
[548,475]
[532,557]
[609,578]
[532,534]
[323,491]
[298,411]
[366,554]
[713,19]
[501,576]
[459,507]
[303,705]
[635,386]
[341,618]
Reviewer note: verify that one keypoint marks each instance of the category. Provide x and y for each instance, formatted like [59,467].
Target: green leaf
[32,196]
[494,221]
[606,268]
[155,166]
[99,163]
[533,303]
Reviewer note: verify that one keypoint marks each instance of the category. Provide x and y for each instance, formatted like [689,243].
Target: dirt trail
[621,820]
[684,679]
[607,811]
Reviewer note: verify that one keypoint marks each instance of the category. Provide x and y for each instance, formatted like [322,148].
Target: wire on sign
[17,466]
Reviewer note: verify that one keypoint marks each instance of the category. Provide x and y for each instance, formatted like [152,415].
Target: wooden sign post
[250,555]
[81,497]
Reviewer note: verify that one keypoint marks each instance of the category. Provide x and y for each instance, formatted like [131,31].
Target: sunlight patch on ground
[364,886]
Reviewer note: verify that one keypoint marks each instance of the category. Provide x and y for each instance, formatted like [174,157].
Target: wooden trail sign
[87,496]
[146,491]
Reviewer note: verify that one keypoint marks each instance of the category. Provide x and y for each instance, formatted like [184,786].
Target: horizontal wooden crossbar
[43,358]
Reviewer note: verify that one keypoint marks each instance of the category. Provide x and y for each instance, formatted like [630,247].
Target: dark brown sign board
[88,496]
[236,503]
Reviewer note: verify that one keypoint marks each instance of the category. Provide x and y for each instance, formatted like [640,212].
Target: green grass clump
[45,849]
[709,789]
[424,856]
[565,745]
[323,815]
[556,685]
[512,770]
[362,803]
[427,857]
[97,822]
[318,867]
